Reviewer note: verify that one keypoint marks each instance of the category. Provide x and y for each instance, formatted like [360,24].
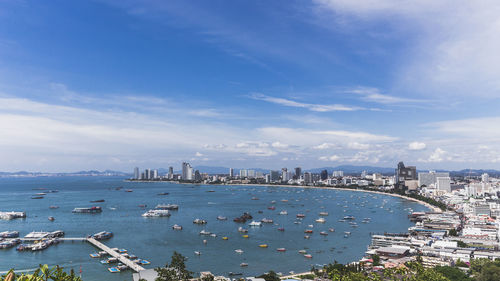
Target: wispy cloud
[309,106]
[374,95]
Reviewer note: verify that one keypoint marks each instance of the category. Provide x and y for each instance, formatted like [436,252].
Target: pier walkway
[60,239]
[115,254]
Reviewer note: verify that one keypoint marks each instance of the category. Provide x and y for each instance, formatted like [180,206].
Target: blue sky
[118,84]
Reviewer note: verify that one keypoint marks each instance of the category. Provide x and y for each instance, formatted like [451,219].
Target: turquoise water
[155,240]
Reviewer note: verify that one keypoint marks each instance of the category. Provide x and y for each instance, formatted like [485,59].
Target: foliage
[43,273]
[174,271]
[452,273]
[270,276]
[462,244]
[208,277]
[453,232]
[376,260]
[489,272]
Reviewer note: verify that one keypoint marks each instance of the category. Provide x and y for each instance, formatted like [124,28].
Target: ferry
[95,209]
[102,235]
[157,213]
[177,227]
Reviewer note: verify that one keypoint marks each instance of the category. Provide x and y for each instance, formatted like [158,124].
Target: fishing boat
[263,245]
[321,220]
[281,250]
[177,227]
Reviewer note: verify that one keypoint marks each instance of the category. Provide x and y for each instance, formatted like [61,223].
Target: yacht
[102,235]
[255,223]
[221,218]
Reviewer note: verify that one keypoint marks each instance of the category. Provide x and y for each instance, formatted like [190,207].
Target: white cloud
[278,144]
[309,106]
[374,95]
[454,47]
[437,155]
[416,145]
[332,158]
[325,145]
[198,154]
[358,146]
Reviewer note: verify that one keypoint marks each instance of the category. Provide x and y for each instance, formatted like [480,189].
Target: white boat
[197,253]
[323,213]
[243,230]
[284,212]
[255,223]
[156,213]
[321,220]
[177,227]
[199,221]
[204,232]
[239,251]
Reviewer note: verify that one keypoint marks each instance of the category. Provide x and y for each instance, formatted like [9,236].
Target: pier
[115,254]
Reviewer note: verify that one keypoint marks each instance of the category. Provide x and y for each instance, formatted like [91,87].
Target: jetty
[115,254]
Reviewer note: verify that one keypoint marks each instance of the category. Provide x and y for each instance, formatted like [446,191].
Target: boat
[51,218]
[211,190]
[308,231]
[347,232]
[302,251]
[321,220]
[310,226]
[156,213]
[37,197]
[239,251]
[245,236]
[301,216]
[163,193]
[239,220]
[243,264]
[171,207]
[284,200]
[204,232]
[213,235]
[255,223]
[331,229]
[324,233]
[102,235]
[199,221]
[114,269]
[281,250]
[53,207]
[273,202]
[255,198]
[198,253]
[40,246]
[243,230]
[272,208]
[263,245]
[95,255]
[97,201]
[225,238]
[221,218]
[284,212]
[323,213]
[265,220]
[308,256]
[235,274]
[9,234]
[349,218]
[145,262]
[122,267]
[177,227]
[95,209]
[142,206]
[281,229]
[129,190]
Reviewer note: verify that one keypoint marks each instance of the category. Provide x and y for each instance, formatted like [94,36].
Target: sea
[153,239]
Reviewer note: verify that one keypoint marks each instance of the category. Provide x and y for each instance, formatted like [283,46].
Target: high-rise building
[298,172]
[284,174]
[307,178]
[324,175]
[170,172]
[404,174]
[155,174]
[187,171]
[338,174]
[485,177]
[148,174]
[363,174]
[231,172]
[430,178]
[275,176]
[443,183]
[251,174]
[243,173]
[197,175]
[136,173]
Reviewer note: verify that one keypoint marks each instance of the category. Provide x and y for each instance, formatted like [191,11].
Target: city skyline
[281,84]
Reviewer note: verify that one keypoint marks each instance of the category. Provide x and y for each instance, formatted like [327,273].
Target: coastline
[431,207]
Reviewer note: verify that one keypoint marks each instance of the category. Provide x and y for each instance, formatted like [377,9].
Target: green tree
[270,276]
[452,273]
[43,273]
[174,271]
[376,260]
[489,272]
[208,277]
[453,232]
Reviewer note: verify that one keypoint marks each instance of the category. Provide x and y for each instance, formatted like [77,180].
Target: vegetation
[43,273]
[376,260]
[175,271]
[270,276]
[453,273]
[462,244]
[453,232]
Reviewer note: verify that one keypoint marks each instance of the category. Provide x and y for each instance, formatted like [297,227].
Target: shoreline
[431,207]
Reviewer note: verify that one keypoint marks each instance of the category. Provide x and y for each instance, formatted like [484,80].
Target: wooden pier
[135,267]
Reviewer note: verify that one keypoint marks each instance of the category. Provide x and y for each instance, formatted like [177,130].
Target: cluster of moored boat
[112,260]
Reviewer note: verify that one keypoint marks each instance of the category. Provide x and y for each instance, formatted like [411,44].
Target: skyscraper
[231,172]
[324,175]
[170,172]
[404,174]
[307,178]
[284,174]
[136,173]
[275,176]
[298,172]
[187,171]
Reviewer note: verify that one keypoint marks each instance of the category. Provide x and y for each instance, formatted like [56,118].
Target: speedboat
[321,220]
[204,232]
[263,245]
[284,212]
[221,218]
[281,250]
[239,251]
[177,227]
[255,223]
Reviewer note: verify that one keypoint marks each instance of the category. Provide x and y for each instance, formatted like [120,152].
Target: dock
[135,267]
[79,239]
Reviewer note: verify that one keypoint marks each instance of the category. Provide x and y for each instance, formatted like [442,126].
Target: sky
[117,84]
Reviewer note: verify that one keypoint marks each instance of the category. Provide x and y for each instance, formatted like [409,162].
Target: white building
[443,183]
[430,178]
[187,171]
